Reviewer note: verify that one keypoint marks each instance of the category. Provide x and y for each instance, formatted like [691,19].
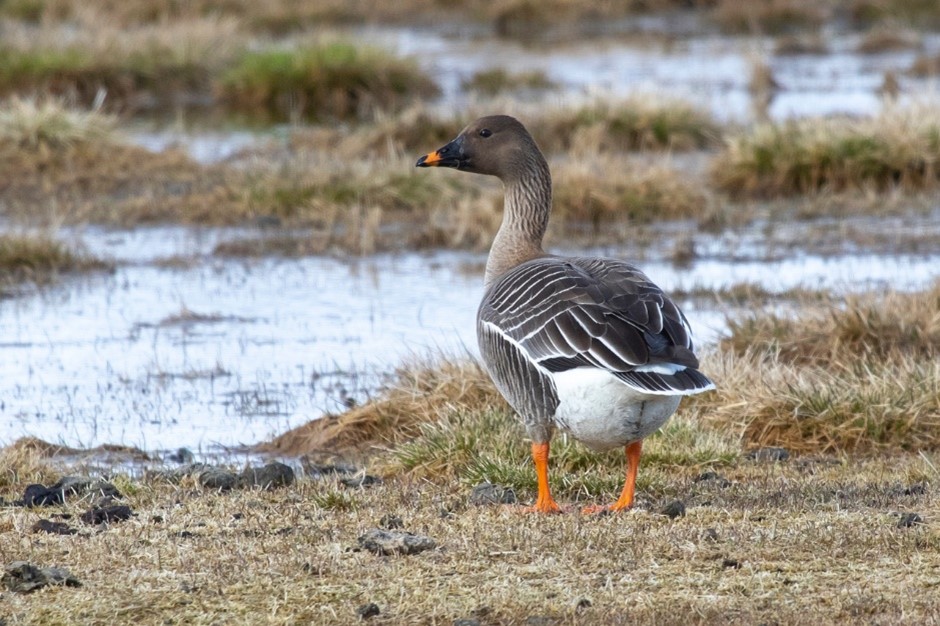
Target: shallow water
[226,352]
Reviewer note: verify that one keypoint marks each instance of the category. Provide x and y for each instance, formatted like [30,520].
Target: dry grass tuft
[855,377]
[897,325]
[496,81]
[31,124]
[417,394]
[641,122]
[601,191]
[769,17]
[925,65]
[900,147]
[40,259]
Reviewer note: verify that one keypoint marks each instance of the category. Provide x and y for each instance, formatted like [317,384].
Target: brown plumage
[588,345]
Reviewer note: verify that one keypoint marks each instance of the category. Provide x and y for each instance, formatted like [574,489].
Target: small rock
[319,465]
[176,475]
[395,542]
[369,610]
[917,489]
[361,481]
[182,455]
[107,514]
[713,477]
[40,495]
[23,577]
[467,621]
[582,605]
[487,494]
[769,455]
[55,528]
[216,479]
[730,564]
[909,520]
[391,522]
[674,509]
[271,476]
[711,534]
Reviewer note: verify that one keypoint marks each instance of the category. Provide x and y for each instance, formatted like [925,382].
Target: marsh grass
[770,17]
[335,79]
[641,122]
[41,259]
[857,376]
[498,80]
[925,65]
[898,148]
[50,123]
[135,67]
[600,191]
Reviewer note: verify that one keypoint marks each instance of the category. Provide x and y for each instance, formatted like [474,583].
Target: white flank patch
[603,412]
[667,369]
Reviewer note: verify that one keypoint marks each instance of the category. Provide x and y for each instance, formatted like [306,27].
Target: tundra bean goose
[587,345]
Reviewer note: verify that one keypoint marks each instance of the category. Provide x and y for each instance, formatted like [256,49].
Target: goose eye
[486,132]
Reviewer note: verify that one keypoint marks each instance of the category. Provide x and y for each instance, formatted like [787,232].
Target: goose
[586,345]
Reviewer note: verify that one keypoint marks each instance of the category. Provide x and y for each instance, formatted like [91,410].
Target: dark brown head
[497,145]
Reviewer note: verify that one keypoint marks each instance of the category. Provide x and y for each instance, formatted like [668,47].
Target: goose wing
[562,314]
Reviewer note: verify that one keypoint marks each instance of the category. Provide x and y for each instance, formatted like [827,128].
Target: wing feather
[588,312]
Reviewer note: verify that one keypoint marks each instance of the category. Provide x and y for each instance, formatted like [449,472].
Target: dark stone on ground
[711,534]
[917,489]
[582,605]
[369,610]
[713,477]
[674,509]
[107,514]
[365,480]
[319,465]
[216,479]
[55,528]
[182,455]
[487,494]
[730,564]
[271,476]
[40,495]
[467,621]
[23,577]
[909,520]
[769,455]
[395,542]
[177,474]
[391,522]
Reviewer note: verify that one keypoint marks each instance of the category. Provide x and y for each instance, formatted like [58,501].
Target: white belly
[602,412]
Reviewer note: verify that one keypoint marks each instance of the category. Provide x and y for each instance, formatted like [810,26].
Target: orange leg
[625,501]
[545,503]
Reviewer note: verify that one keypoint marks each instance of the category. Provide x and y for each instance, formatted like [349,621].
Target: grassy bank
[898,148]
[207,63]
[41,259]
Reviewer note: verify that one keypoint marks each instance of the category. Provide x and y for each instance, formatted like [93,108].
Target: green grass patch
[336,80]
